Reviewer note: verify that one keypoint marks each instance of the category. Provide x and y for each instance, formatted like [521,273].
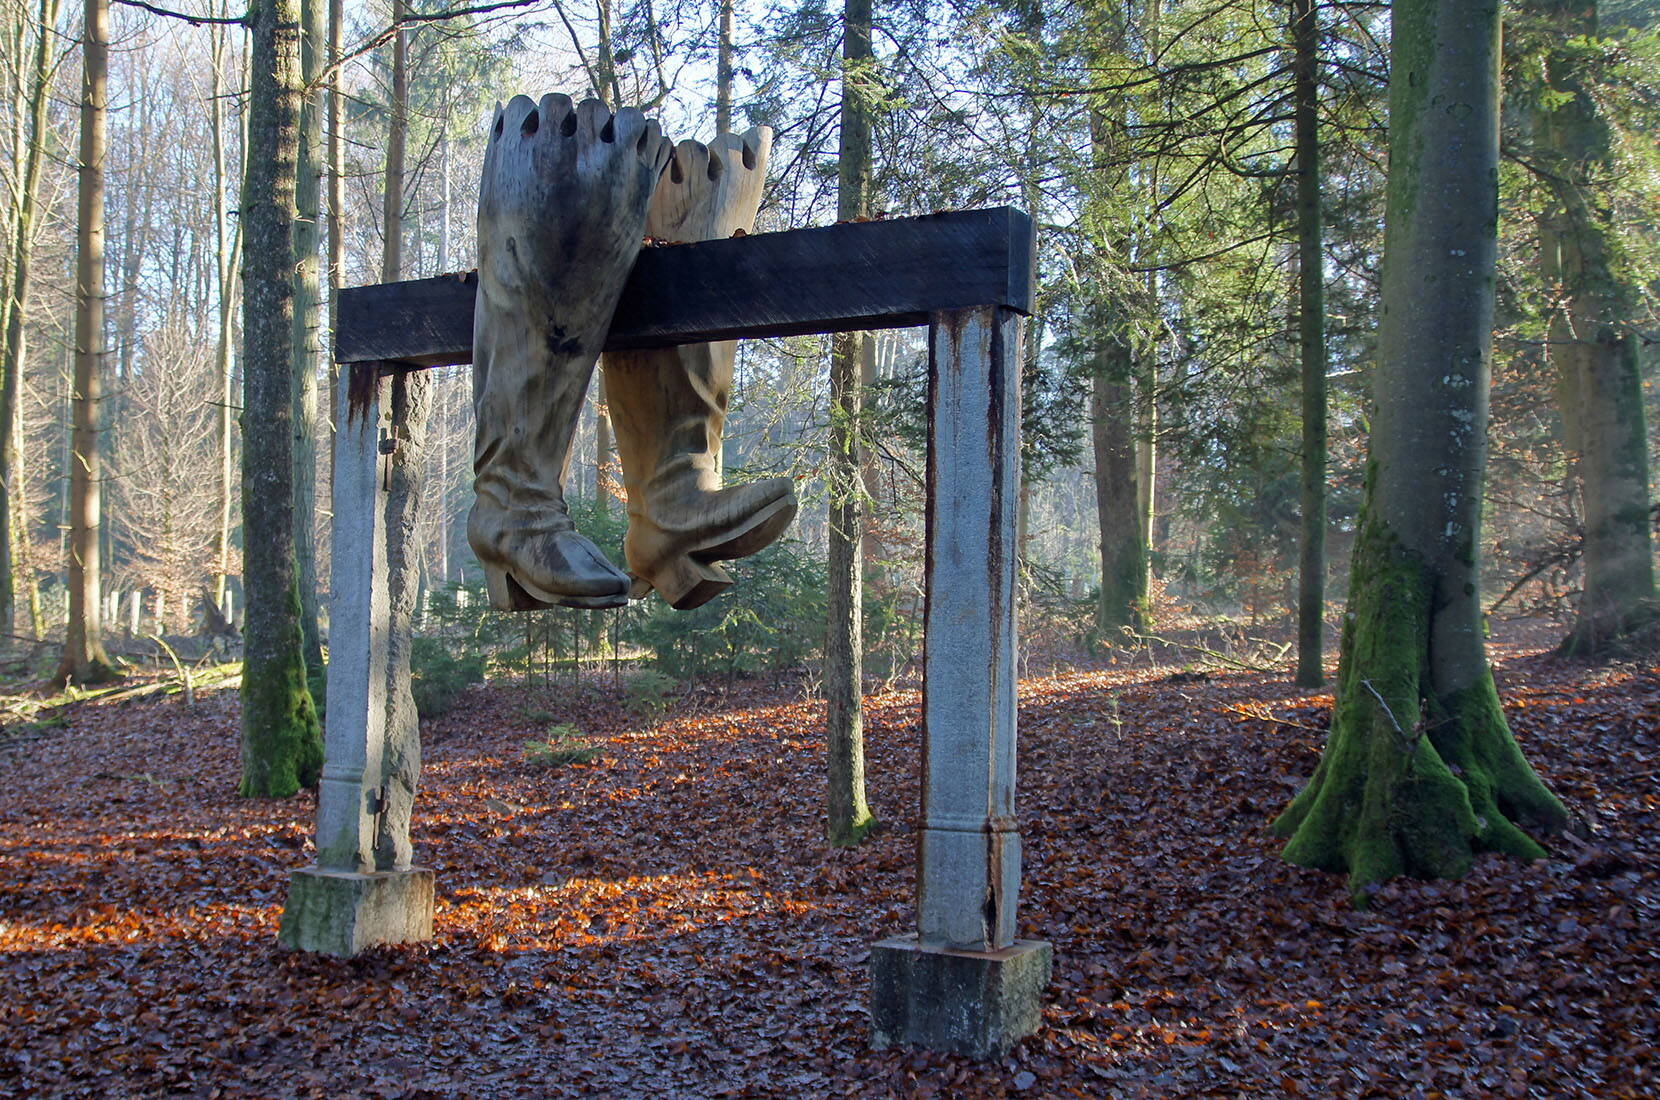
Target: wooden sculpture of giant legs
[567,193]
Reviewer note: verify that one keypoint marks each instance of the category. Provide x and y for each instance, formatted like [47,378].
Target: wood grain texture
[840,278]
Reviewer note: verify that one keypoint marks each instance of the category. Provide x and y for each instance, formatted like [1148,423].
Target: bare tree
[84,660]
[163,509]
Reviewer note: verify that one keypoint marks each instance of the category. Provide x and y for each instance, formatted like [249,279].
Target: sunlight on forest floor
[667,918]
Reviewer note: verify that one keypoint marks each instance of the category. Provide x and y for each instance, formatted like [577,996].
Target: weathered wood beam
[839,278]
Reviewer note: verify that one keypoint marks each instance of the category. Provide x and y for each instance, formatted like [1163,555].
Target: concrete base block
[978,1003]
[343,913]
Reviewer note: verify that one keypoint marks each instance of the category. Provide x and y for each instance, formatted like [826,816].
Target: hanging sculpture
[568,197]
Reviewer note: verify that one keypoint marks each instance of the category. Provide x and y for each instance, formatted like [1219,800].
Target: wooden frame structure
[962,981]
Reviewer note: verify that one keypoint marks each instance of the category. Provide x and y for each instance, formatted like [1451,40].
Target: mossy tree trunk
[1421,771]
[1311,323]
[1592,348]
[282,746]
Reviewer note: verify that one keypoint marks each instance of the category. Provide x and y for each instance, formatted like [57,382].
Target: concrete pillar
[135,611]
[343,904]
[963,982]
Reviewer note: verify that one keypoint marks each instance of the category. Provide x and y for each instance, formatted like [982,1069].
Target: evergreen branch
[385,35]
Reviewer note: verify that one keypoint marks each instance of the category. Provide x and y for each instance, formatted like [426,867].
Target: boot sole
[693,579]
[507,593]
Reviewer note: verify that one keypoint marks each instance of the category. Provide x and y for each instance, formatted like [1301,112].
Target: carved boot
[561,217]
[668,406]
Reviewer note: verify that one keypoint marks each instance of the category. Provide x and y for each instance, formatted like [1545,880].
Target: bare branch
[193,20]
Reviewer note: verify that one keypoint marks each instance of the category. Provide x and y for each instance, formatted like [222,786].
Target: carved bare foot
[668,406]
[561,215]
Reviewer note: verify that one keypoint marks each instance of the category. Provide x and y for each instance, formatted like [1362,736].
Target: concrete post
[963,982]
[344,904]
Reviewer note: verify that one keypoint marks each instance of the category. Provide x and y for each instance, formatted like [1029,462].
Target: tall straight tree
[282,746]
[337,214]
[848,814]
[1311,325]
[308,187]
[227,244]
[1595,352]
[84,660]
[15,309]
[1421,771]
[1122,493]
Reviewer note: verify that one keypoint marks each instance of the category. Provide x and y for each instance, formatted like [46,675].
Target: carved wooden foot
[561,216]
[669,406]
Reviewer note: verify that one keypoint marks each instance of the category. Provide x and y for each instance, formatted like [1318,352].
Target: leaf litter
[666,920]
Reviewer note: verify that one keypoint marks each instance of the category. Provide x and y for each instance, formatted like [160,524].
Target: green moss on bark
[282,741]
[1410,783]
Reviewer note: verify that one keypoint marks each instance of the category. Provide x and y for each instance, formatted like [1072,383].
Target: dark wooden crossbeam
[839,278]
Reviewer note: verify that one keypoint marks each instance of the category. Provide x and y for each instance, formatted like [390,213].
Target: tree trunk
[337,215]
[1421,771]
[1311,324]
[1119,499]
[282,748]
[16,308]
[848,815]
[84,660]
[227,243]
[411,404]
[391,263]
[307,242]
[1594,352]
[1123,601]
[723,71]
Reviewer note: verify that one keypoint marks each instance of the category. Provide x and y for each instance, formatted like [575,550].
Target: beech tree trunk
[1311,324]
[16,307]
[307,340]
[337,214]
[1593,350]
[84,660]
[282,746]
[1420,771]
[848,816]
[227,244]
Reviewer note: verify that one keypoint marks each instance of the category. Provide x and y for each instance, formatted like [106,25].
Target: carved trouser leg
[561,217]
[668,406]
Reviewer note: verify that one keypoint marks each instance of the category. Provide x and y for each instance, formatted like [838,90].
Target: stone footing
[977,1003]
[343,913]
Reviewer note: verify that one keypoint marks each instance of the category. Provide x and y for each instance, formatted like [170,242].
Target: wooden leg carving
[362,890]
[561,217]
[669,405]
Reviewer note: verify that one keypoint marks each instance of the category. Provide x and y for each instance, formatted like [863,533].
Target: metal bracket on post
[963,982]
[343,904]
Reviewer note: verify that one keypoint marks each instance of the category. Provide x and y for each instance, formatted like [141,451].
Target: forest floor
[666,921]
